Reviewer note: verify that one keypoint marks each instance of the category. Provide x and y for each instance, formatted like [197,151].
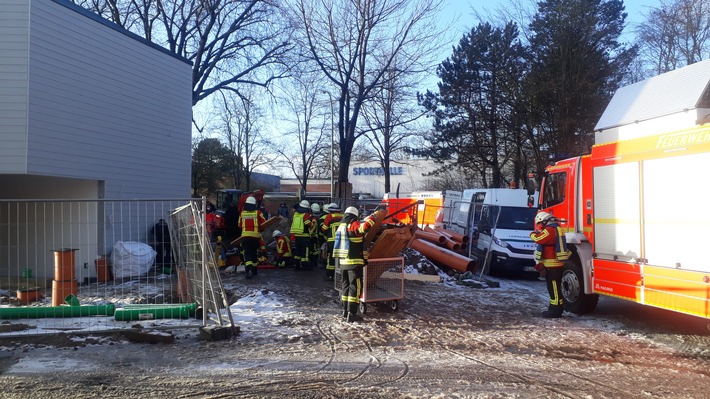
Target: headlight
[500,242]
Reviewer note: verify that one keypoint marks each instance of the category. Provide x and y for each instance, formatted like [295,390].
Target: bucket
[103,273]
[61,289]
[64,264]
[28,295]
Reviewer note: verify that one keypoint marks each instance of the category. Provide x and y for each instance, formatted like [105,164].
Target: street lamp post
[332,147]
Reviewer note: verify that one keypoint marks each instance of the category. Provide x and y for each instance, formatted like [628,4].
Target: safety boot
[352,313]
[345,309]
[353,317]
[553,312]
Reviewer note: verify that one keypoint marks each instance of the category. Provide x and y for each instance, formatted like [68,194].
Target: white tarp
[131,259]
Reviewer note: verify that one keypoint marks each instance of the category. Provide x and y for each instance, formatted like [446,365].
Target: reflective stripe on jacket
[551,248]
[349,242]
[330,225]
[300,226]
[283,247]
[249,222]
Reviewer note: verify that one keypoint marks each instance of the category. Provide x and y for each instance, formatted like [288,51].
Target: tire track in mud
[521,377]
[374,362]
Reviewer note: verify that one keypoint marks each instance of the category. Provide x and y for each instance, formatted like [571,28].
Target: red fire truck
[636,208]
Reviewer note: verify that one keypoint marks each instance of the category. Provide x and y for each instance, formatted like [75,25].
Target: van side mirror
[531,200]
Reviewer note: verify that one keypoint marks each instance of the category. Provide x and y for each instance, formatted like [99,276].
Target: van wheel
[575,300]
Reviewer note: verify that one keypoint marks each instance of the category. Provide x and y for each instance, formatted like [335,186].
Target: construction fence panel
[94,265]
[383,280]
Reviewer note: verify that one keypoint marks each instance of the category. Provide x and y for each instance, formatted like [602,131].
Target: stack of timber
[391,241]
[441,246]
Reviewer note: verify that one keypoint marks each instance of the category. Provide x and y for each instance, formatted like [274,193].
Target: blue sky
[463,9]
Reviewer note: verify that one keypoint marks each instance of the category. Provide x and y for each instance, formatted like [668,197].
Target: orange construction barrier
[443,256]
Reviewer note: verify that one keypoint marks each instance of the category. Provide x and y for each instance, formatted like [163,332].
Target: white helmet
[352,210]
[251,200]
[333,207]
[326,208]
[315,208]
[304,204]
[542,216]
[276,233]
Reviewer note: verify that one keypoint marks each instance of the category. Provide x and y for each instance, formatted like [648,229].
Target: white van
[501,219]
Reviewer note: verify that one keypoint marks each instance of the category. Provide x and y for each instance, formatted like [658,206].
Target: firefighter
[551,252]
[284,257]
[314,230]
[250,221]
[330,225]
[323,258]
[348,248]
[300,230]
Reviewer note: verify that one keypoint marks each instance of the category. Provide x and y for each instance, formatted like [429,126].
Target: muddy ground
[445,341]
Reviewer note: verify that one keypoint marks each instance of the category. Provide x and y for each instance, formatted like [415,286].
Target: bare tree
[354,44]
[389,117]
[230,43]
[675,34]
[308,127]
[240,128]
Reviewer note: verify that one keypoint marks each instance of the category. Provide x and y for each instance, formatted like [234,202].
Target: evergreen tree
[577,62]
[474,111]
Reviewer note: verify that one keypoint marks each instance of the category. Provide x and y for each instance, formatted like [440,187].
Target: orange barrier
[431,237]
[443,256]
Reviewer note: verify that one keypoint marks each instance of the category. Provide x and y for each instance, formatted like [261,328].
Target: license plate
[529,269]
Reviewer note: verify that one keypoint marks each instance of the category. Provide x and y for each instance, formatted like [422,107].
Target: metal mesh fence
[97,265]
[383,279]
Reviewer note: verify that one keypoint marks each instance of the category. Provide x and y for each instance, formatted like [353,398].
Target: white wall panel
[617,221]
[676,211]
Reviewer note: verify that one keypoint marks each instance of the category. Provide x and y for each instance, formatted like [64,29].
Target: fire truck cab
[635,208]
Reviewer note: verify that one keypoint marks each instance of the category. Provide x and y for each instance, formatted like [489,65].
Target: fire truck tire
[362,308]
[575,300]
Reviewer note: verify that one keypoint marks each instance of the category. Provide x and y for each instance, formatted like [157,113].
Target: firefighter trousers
[300,252]
[250,248]
[351,289]
[553,278]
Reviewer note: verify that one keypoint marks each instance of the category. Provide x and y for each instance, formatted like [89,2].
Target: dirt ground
[446,340]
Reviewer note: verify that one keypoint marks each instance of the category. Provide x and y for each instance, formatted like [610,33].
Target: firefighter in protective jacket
[348,248]
[551,252]
[301,230]
[250,221]
[329,227]
[284,257]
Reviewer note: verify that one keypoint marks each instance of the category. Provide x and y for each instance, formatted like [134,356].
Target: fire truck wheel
[394,305]
[576,301]
[362,308]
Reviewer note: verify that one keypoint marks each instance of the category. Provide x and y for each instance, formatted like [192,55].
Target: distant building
[368,179]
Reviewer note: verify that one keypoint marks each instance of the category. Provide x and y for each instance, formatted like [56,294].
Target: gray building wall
[14,29]
[98,103]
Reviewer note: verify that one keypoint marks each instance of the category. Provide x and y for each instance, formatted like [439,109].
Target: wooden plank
[412,277]
[271,222]
[372,233]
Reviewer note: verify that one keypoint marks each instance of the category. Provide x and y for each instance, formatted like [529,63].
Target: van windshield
[517,218]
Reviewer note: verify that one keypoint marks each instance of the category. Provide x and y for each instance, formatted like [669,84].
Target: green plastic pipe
[38,312]
[150,312]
